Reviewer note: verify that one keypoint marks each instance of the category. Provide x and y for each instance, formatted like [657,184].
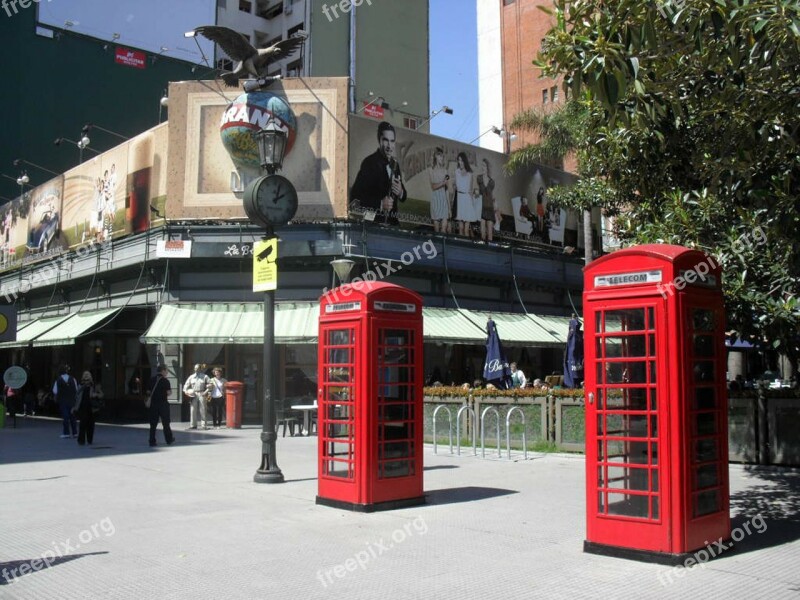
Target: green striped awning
[517,329]
[74,326]
[296,323]
[451,326]
[29,331]
[222,323]
[556,326]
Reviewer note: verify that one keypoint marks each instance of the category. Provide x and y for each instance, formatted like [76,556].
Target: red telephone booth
[656,404]
[370,397]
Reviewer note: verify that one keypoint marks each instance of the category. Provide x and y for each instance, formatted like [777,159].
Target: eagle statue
[249,60]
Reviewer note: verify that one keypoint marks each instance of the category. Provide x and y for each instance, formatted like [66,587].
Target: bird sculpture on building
[249,59]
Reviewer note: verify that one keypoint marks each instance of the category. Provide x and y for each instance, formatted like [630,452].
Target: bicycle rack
[508,433]
[449,422]
[458,430]
[483,431]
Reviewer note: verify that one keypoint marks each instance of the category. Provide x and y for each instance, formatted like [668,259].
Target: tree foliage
[692,123]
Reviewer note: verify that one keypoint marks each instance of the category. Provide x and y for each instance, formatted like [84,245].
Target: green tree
[692,122]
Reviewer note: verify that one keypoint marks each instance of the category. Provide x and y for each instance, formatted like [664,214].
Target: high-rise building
[111,64]
[510,34]
[382,46]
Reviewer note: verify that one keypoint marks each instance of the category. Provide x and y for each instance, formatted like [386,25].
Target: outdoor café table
[307,410]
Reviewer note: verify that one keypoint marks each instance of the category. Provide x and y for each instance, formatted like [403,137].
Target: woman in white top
[217,385]
[465,210]
[440,208]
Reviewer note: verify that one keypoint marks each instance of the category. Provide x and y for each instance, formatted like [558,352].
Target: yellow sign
[8,323]
[265,266]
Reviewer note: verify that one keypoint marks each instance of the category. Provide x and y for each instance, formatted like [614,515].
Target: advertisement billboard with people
[414,180]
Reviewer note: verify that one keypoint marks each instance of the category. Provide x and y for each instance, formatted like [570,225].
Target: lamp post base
[269,476]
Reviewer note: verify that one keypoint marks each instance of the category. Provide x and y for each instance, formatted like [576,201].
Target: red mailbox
[370,397]
[233,404]
[656,404]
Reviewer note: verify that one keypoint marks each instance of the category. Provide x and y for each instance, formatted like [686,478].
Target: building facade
[510,34]
[151,262]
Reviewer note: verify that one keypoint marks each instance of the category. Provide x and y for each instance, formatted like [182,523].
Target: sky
[453,45]
[454,68]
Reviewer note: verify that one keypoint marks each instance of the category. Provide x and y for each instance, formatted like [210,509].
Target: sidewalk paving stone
[187,521]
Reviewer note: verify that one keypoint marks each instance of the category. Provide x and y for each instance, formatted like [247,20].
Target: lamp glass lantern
[271,142]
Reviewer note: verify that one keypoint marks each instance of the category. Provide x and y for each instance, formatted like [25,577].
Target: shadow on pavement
[769,509]
[10,570]
[465,494]
[437,467]
[38,440]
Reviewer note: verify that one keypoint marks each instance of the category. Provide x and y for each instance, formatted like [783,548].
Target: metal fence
[761,430]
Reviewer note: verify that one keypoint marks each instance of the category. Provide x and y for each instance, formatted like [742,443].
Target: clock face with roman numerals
[270,200]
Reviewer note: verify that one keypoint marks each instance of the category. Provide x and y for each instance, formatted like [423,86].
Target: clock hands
[277,196]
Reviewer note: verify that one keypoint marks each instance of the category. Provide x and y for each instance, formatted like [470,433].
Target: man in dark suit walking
[159,405]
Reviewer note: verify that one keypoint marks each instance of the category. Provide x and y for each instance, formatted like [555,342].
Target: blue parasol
[573,357]
[496,370]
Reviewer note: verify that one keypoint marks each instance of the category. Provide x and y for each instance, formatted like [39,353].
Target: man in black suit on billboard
[379,183]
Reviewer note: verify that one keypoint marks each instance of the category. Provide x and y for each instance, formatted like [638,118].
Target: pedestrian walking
[218,383]
[65,390]
[197,387]
[159,405]
[85,409]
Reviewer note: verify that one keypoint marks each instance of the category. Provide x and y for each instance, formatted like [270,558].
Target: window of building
[225,64]
[269,10]
[222,4]
[294,68]
[410,122]
[545,96]
[245,6]
[507,2]
[554,94]
[263,42]
[294,30]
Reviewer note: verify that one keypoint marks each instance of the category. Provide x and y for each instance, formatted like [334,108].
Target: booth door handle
[591,398]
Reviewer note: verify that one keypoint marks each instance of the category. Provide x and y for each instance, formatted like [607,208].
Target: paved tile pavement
[122,520]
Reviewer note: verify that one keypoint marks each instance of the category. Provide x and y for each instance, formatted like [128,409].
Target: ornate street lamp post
[270,200]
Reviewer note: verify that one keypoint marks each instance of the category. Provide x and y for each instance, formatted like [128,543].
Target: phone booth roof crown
[662,264]
[368,292]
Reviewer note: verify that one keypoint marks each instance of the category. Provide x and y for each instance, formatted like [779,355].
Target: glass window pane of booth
[627,427]
[338,417]
[395,403]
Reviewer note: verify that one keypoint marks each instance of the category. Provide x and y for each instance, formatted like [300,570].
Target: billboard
[14,236]
[403,177]
[151,25]
[45,220]
[94,198]
[110,195]
[212,155]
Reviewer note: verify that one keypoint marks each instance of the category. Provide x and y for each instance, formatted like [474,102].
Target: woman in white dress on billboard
[440,207]
[465,208]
